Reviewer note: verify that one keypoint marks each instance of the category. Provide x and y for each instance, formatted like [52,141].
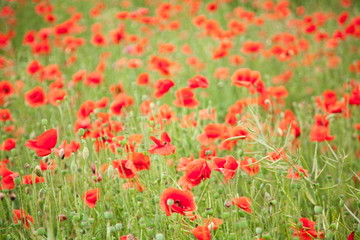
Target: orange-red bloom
[177,201]
[35,97]
[243,202]
[91,197]
[247,164]
[195,172]
[201,233]
[185,97]
[227,166]
[162,87]
[163,146]
[29,179]
[24,217]
[44,143]
[125,168]
[7,180]
[307,231]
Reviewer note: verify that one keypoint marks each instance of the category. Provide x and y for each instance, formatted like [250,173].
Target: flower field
[181,119]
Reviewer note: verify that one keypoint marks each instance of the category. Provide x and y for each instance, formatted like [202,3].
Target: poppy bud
[91,220]
[159,236]
[83,223]
[27,165]
[12,196]
[37,171]
[225,215]
[81,132]
[41,231]
[44,121]
[227,204]
[118,226]
[62,153]
[110,171]
[108,215]
[243,224]
[258,230]
[17,180]
[85,153]
[329,235]
[318,210]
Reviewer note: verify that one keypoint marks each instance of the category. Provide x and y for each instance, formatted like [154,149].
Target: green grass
[329,196]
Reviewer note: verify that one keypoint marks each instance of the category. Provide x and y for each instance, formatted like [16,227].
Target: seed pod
[61,217]
[12,196]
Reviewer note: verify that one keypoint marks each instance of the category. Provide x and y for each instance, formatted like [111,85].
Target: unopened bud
[62,153]
[37,171]
[85,153]
[12,196]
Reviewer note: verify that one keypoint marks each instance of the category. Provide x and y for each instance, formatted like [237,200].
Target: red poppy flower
[195,172]
[91,197]
[7,181]
[125,168]
[320,131]
[35,97]
[201,233]
[34,67]
[44,143]
[8,144]
[247,164]
[250,47]
[29,179]
[160,64]
[307,231]
[55,96]
[185,98]
[140,161]
[94,79]
[295,174]
[198,81]
[227,166]
[163,146]
[68,148]
[6,89]
[162,87]
[47,165]
[277,155]
[23,216]
[128,237]
[213,223]
[244,77]
[143,79]
[86,109]
[177,201]
[243,202]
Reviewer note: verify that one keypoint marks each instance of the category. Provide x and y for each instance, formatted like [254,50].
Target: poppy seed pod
[12,196]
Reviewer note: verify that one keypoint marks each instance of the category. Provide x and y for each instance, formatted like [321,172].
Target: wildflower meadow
[180,119]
